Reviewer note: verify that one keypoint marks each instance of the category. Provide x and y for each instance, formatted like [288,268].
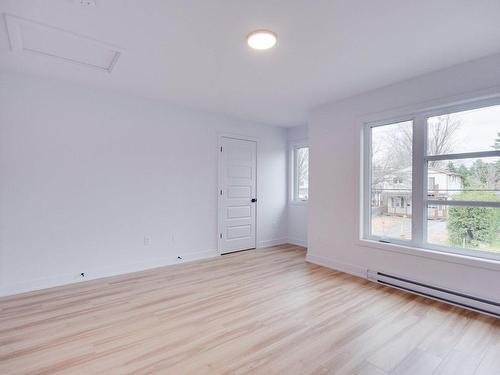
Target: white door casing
[237,194]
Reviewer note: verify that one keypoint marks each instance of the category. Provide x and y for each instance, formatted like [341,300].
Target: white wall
[334,220]
[85,175]
[297,211]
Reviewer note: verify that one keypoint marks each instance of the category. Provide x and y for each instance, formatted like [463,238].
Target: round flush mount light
[262,39]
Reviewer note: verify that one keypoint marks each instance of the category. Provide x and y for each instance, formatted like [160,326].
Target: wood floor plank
[263,311]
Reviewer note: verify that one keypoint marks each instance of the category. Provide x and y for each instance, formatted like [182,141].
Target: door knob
[254,200]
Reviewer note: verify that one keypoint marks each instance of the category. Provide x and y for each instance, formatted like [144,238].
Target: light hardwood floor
[262,311]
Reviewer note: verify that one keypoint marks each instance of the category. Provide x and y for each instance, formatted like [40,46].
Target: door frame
[240,137]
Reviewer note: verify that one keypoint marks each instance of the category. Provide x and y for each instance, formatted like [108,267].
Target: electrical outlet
[147,240]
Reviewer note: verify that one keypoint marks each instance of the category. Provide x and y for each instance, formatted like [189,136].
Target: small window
[397,180]
[300,173]
[432,183]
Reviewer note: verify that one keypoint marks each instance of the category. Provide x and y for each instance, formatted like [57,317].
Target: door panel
[239,231]
[237,214]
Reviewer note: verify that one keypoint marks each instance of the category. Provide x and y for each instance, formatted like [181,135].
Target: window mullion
[419,181]
[465,155]
[491,204]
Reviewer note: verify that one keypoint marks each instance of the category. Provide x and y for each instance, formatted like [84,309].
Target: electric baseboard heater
[458,299]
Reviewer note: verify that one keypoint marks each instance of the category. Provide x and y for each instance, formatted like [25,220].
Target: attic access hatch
[33,37]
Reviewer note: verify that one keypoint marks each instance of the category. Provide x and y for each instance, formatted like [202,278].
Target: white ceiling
[193,52]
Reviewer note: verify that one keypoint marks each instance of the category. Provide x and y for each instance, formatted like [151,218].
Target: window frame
[294,146]
[420,160]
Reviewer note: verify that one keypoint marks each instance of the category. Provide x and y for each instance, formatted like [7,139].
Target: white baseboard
[297,241]
[64,279]
[199,255]
[275,242]
[351,269]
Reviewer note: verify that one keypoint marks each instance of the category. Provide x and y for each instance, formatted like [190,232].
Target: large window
[300,173]
[433,181]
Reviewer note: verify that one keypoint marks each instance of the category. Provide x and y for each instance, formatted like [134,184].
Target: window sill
[489,264]
[298,203]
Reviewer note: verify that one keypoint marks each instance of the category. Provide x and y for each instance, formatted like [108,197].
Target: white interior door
[237,194]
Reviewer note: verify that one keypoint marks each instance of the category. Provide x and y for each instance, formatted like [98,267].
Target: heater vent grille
[459,299]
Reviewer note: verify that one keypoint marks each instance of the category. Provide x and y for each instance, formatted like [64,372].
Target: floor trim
[338,266]
[297,241]
[269,243]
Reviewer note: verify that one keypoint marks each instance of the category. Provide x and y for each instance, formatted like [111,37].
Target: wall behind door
[86,174]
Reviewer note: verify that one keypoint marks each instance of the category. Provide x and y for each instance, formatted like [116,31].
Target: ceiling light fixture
[261,39]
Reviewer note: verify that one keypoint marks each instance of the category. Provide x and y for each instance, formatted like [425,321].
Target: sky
[479,129]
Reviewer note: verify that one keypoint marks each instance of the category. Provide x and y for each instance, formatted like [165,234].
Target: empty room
[250,187]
